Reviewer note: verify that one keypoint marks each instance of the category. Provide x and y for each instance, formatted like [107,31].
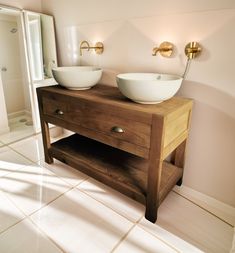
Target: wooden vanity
[118,142]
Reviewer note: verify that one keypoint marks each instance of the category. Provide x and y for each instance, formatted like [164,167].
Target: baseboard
[233,243]
[12,115]
[28,113]
[218,208]
[16,114]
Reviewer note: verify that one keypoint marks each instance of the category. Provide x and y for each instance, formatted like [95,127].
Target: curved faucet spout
[155,50]
[84,45]
[165,49]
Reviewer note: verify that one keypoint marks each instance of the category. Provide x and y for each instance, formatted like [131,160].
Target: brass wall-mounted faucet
[99,47]
[192,50]
[165,49]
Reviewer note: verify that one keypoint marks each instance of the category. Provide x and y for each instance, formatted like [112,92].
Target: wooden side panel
[176,128]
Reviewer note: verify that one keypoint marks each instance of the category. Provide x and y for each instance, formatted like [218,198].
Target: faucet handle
[99,47]
[165,49]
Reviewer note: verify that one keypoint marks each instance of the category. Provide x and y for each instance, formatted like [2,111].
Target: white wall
[129,30]
[32,5]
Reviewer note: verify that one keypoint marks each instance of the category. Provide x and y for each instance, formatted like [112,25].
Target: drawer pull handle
[117,129]
[59,112]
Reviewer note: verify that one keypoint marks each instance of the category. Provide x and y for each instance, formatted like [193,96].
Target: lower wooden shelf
[120,170]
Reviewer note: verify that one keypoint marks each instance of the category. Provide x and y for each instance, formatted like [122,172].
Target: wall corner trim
[221,210]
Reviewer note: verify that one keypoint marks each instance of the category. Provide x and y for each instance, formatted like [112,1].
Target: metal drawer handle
[117,129]
[59,112]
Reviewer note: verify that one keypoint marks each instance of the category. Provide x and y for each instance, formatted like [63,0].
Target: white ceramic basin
[77,77]
[148,88]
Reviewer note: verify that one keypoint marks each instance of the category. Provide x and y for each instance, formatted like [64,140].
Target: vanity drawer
[55,107]
[99,119]
[109,121]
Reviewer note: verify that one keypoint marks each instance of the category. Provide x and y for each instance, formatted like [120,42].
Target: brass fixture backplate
[192,50]
[99,47]
[166,49]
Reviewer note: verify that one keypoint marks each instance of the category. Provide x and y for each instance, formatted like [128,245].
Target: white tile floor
[18,129]
[54,208]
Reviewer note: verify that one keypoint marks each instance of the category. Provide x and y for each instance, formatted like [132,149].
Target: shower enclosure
[17,115]
[24,65]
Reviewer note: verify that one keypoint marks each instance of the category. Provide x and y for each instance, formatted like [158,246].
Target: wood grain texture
[99,136]
[155,168]
[131,162]
[45,131]
[102,95]
[85,114]
[178,157]
[122,171]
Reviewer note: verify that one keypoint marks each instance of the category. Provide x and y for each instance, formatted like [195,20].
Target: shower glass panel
[15,105]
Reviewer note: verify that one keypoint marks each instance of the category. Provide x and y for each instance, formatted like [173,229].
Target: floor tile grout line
[28,216]
[83,191]
[46,235]
[76,187]
[123,238]
[21,139]
[61,177]
[160,239]
[204,209]
[140,226]
[136,224]
[11,226]
[19,209]
[101,202]
[13,149]
[48,203]
[12,202]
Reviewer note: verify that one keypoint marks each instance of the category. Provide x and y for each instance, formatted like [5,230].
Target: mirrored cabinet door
[41,44]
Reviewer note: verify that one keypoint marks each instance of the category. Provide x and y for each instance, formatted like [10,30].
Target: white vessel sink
[148,88]
[77,77]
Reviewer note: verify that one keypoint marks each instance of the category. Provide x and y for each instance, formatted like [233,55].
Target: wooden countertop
[112,96]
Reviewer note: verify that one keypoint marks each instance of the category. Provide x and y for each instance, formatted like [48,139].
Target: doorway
[15,109]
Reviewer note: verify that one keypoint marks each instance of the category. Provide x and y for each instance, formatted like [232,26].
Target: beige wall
[129,29]
[32,5]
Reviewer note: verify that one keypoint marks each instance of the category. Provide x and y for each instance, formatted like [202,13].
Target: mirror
[42,57]
[40,36]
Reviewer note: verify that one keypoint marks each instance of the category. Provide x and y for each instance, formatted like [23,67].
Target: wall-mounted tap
[192,50]
[99,47]
[165,49]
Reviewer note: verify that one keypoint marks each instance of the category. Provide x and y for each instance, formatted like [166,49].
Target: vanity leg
[46,141]
[179,158]
[152,199]
[154,168]
[45,131]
